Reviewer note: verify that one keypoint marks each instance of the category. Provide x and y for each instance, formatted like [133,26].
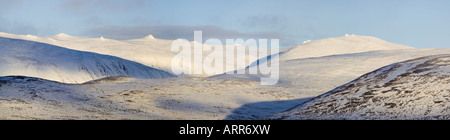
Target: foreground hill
[414,89]
[318,74]
[130,98]
[28,58]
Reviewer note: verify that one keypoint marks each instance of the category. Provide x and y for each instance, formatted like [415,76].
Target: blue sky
[417,23]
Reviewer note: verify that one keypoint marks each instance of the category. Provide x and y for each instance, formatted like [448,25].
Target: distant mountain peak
[307,41]
[349,35]
[339,45]
[31,36]
[63,35]
[150,37]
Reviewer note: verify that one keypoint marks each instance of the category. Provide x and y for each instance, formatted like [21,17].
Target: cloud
[91,6]
[94,21]
[264,21]
[17,27]
[173,32]
[6,5]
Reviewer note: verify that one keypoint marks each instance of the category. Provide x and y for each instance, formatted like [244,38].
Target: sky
[417,23]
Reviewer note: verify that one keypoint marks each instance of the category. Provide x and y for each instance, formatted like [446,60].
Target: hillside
[413,89]
[130,98]
[339,45]
[316,75]
[149,51]
[28,58]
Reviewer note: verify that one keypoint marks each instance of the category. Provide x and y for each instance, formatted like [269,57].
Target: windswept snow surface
[414,89]
[306,71]
[28,58]
[150,51]
[318,74]
[339,45]
[129,98]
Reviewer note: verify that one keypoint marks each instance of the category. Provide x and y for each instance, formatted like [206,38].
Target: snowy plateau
[349,77]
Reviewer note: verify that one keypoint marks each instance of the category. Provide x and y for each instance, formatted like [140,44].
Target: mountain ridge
[29,58]
[412,89]
[339,45]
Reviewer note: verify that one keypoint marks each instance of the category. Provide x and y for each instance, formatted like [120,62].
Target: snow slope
[318,74]
[414,89]
[129,98]
[339,45]
[28,58]
[150,51]
[221,97]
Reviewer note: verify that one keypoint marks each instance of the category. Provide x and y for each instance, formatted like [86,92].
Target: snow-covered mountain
[80,60]
[28,58]
[318,74]
[339,45]
[414,89]
[149,51]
